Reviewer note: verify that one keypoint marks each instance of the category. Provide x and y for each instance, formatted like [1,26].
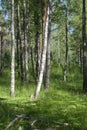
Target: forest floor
[64,107]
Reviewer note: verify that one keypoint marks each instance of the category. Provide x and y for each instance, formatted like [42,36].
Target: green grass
[64,103]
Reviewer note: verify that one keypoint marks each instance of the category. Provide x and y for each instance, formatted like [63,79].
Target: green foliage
[63,107]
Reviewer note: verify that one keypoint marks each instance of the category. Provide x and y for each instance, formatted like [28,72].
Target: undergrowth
[63,107]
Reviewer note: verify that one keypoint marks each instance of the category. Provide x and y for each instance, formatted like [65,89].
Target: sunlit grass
[63,103]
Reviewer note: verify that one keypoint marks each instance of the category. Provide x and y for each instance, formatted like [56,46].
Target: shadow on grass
[44,113]
[38,116]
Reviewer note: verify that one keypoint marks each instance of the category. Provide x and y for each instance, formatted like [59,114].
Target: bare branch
[18,117]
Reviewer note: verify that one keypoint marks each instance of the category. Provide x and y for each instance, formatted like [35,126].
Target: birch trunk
[18,43]
[43,57]
[13,54]
[66,53]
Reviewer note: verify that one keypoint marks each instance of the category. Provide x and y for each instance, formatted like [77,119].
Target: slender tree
[20,44]
[66,53]
[13,54]
[26,41]
[37,36]
[43,54]
[47,71]
[58,51]
[2,53]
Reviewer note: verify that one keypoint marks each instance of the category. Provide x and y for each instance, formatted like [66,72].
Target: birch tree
[13,54]
[18,41]
[43,54]
[66,52]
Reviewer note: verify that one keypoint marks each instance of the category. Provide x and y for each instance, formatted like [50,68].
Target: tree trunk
[37,37]
[26,42]
[20,46]
[33,68]
[81,57]
[47,72]
[84,47]
[13,54]
[43,57]
[18,43]
[58,61]
[66,55]
[43,22]
[2,54]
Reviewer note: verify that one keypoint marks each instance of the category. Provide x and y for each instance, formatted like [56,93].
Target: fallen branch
[18,117]
[63,124]
[23,116]
[33,122]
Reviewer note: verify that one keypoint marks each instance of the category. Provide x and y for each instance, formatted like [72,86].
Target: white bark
[13,54]
[67,40]
[43,56]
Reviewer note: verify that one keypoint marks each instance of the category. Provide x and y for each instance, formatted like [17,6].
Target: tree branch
[18,117]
